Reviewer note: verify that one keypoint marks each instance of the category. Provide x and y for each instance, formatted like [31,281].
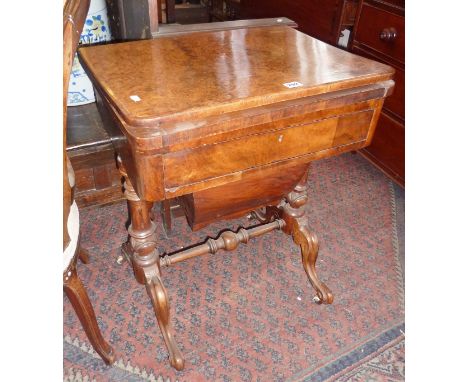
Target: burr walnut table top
[177,78]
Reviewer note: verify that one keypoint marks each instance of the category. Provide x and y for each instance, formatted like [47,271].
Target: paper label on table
[293,84]
[135,98]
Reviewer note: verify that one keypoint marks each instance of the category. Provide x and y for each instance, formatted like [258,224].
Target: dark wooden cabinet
[379,34]
[93,158]
[322,19]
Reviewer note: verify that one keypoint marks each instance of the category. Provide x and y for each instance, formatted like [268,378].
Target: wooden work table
[228,122]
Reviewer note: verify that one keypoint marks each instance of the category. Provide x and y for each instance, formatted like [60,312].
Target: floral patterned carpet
[249,315]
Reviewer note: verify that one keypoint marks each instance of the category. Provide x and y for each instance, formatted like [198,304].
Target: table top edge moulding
[228,78]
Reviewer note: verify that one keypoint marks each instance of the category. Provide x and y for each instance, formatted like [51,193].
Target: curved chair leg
[83,255]
[293,213]
[144,256]
[80,301]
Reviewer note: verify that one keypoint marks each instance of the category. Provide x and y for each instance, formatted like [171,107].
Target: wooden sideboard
[379,34]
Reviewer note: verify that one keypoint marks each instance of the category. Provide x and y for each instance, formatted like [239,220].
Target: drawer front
[383,31]
[210,161]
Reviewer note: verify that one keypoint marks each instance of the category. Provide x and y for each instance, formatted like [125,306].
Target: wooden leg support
[80,301]
[228,241]
[160,300]
[293,213]
[142,252]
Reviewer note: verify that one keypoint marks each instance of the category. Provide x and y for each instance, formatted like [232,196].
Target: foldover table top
[186,77]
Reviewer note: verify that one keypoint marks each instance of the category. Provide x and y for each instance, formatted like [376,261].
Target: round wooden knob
[388,34]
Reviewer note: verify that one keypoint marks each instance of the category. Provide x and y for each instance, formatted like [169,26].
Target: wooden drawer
[373,22]
[255,190]
[210,161]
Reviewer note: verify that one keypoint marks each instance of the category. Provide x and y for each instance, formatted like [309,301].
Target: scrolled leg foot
[160,301]
[309,249]
[293,213]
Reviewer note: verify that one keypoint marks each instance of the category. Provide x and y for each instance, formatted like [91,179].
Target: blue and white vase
[96,29]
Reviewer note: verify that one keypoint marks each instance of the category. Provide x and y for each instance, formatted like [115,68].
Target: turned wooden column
[141,251]
[140,248]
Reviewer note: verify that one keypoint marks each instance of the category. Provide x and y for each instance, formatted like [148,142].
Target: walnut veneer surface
[213,73]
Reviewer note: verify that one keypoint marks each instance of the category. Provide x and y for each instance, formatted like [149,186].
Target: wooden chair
[74,14]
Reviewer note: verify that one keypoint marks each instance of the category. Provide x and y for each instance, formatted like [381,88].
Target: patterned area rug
[249,315]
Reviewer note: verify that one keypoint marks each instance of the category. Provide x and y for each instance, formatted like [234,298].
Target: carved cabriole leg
[142,252]
[293,213]
[80,301]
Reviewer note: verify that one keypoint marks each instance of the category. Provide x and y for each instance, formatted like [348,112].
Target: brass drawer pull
[388,34]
